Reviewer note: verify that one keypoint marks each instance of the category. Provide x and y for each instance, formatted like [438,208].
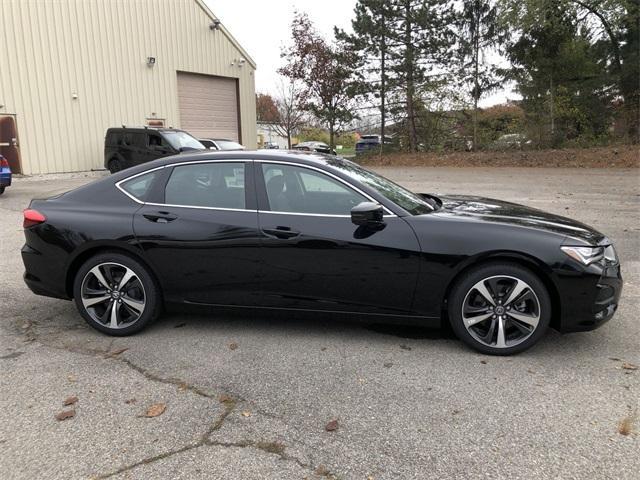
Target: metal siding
[98,49]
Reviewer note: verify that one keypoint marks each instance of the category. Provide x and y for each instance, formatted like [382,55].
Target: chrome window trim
[224,209]
[344,182]
[119,187]
[245,160]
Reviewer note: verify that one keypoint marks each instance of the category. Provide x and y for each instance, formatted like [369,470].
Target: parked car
[320,147]
[510,141]
[370,142]
[5,174]
[271,146]
[129,146]
[312,233]
[220,144]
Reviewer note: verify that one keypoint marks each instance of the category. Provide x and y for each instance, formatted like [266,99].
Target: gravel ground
[410,403]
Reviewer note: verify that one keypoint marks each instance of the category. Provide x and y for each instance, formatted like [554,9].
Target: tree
[266,110]
[630,67]
[478,30]
[370,37]
[289,107]
[420,37]
[565,84]
[325,72]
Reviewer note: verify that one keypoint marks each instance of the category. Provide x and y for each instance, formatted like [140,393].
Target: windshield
[402,197]
[180,140]
[229,145]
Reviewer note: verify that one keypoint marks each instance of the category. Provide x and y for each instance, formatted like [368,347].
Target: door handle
[160,217]
[282,233]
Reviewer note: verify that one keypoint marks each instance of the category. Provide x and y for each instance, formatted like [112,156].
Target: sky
[262,28]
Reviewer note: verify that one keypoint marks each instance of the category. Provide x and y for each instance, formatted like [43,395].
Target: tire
[115,165]
[137,303]
[490,325]
[1,190]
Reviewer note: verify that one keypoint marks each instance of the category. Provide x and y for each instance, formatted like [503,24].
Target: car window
[293,189]
[214,185]
[229,145]
[178,139]
[139,187]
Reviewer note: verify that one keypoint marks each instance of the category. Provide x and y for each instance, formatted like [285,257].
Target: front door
[9,146]
[316,258]
[201,234]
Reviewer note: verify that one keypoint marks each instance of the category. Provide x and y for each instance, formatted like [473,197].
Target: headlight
[610,254]
[584,255]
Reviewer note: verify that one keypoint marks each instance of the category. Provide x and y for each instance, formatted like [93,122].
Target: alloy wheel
[501,311]
[113,295]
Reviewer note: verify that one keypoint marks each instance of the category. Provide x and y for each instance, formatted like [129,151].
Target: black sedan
[312,232]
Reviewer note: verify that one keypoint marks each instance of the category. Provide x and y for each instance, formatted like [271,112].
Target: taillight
[32,217]
[4,163]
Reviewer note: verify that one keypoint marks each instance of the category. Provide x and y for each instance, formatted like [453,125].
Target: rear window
[139,187]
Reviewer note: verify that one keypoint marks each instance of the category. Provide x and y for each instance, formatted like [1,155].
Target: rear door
[200,233]
[316,258]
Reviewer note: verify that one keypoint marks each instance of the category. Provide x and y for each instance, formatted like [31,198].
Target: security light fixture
[151,61]
[215,25]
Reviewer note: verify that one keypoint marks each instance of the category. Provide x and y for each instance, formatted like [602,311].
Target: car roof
[145,129]
[283,156]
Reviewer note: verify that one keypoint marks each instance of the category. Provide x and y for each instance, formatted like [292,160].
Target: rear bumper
[596,302]
[37,270]
[5,179]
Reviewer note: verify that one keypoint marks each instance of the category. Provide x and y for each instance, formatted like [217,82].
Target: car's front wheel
[116,294]
[499,308]
[115,165]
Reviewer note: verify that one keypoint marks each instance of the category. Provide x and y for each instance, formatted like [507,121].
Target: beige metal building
[70,69]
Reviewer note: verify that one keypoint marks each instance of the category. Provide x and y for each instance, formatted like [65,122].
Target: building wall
[54,50]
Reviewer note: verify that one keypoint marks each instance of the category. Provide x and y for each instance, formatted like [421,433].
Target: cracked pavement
[410,403]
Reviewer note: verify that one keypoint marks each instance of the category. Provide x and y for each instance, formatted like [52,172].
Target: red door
[9,147]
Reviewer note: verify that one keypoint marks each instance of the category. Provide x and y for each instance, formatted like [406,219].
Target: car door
[316,258]
[200,233]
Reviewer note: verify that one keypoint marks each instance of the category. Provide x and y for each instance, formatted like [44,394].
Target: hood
[506,213]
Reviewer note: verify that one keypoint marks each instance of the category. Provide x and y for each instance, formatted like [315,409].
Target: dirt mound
[622,156]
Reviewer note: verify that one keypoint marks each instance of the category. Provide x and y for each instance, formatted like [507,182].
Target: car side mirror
[367,214]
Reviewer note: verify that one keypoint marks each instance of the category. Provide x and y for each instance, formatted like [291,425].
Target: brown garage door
[208,106]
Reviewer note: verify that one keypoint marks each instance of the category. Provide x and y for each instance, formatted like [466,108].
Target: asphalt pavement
[230,397]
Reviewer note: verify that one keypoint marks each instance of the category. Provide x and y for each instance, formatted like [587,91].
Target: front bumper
[591,300]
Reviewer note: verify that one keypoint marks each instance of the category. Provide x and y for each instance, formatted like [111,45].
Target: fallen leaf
[388,365]
[405,347]
[115,353]
[233,346]
[322,471]
[155,410]
[72,378]
[615,359]
[323,349]
[224,398]
[484,362]
[331,426]
[246,414]
[70,401]
[130,401]
[625,427]
[65,414]
[629,366]
[180,325]
[183,386]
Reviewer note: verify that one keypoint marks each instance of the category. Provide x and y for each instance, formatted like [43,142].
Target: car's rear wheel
[1,190]
[499,309]
[116,294]
[115,165]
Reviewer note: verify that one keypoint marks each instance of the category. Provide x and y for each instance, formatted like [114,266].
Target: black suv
[126,147]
